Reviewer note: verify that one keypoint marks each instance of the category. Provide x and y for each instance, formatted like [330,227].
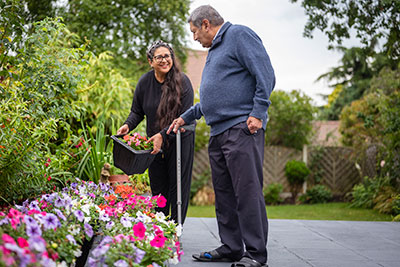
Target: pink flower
[161,201]
[139,230]
[119,238]
[8,239]
[13,213]
[22,242]
[33,211]
[158,241]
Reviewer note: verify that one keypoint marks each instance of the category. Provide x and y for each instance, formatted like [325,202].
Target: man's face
[202,34]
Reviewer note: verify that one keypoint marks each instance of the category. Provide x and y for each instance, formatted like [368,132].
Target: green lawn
[328,211]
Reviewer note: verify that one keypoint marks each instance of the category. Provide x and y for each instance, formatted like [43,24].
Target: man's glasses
[159,58]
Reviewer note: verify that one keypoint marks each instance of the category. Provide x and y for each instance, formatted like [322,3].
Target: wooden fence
[335,166]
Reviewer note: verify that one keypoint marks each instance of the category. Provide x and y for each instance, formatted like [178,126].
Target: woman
[161,95]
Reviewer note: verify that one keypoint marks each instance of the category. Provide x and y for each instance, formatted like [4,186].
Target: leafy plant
[37,103]
[296,173]
[316,194]
[98,152]
[272,194]
[290,119]
[364,193]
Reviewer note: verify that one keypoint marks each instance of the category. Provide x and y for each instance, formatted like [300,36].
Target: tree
[370,19]
[351,79]
[124,27]
[291,115]
[375,120]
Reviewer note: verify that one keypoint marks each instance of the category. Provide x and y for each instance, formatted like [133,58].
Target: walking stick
[190,127]
[178,181]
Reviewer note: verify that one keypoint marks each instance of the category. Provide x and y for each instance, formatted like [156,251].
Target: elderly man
[235,88]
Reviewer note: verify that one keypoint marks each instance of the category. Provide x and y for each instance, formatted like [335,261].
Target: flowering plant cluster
[138,142]
[135,235]
[49,231]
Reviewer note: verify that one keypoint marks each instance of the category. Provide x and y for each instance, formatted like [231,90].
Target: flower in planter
[138,142]
[49,230]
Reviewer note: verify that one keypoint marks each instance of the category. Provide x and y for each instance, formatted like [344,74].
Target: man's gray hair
[205,12]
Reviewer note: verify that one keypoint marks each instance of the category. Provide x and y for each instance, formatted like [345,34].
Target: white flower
[87,219]
[173,260]
[86,209]
[142,217]
[63,263]
[77,253]
[74,229]
[160,216]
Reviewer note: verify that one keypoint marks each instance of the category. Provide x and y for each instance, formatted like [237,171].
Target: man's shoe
[211,256]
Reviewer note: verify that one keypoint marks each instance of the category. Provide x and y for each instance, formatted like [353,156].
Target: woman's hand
[123,130]
[157,143]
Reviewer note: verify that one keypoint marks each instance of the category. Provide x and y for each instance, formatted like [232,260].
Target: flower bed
[50,230]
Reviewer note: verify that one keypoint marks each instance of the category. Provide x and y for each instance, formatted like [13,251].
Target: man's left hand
[254,124]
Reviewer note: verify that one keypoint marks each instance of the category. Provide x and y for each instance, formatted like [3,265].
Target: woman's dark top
[147,98]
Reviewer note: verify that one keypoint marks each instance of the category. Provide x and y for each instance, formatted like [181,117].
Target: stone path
[298,243]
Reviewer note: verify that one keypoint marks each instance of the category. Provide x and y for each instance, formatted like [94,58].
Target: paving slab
[298,243]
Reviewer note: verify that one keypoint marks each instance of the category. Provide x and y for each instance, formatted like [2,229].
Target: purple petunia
[74,185]
[107,239]
[33,230]
[79,215]
[50,221]
[92,262]
[104,217]
[71,239]
[109,225]
[59,202]
[60,214]
[139,255]
[4,221]
[37,243]
[121,263]
[88,230]
[126,222]
[100,250]
[34,205]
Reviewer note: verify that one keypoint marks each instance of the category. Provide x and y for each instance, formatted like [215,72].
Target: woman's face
[162,61]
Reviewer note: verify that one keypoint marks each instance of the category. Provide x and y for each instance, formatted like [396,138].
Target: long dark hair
[170,102]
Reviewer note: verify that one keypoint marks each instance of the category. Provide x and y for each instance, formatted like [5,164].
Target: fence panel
[336,165]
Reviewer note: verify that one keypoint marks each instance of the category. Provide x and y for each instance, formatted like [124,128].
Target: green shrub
[296,173]
[316,194]
[37,105]
[272,194]
[364,193]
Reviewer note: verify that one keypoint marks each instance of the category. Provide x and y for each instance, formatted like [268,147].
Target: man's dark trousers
[236,159]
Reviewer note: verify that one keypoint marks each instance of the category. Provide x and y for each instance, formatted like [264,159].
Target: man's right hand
[123,130]
[175,125]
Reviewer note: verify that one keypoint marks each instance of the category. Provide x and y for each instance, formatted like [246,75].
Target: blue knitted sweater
[237,80]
